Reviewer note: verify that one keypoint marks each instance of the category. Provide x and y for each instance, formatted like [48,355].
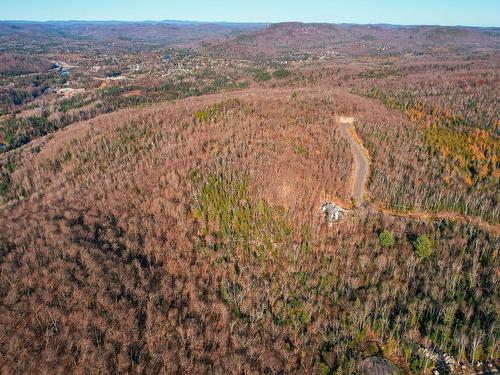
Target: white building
[332,212]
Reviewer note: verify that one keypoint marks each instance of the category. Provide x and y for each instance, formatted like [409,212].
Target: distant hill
[251,39]
[12,63]
[16,34]
[283,39]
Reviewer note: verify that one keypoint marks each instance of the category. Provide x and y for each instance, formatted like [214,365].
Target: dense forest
[166,217]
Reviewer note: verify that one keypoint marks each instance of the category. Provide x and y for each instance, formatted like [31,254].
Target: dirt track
[361,162]
[360,176]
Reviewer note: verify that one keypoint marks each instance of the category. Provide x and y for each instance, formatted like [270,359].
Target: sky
[406,12]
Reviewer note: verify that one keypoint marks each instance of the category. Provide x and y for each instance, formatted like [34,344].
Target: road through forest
[361,171]
[361,162]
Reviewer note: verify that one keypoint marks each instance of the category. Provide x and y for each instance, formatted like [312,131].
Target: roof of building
[331,207]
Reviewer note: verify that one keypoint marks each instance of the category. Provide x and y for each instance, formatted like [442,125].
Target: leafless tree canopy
[166,217]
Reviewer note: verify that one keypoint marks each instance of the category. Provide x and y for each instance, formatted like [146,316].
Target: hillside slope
[290,41]
[187,237]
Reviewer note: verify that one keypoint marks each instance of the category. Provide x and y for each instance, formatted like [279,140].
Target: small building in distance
[63,68]
[56,67]
[68,92]
[166,57]
[333,212]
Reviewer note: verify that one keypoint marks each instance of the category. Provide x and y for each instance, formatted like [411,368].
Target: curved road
[360,177]
[361,162]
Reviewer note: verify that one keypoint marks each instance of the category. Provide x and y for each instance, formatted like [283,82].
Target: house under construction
[333,212]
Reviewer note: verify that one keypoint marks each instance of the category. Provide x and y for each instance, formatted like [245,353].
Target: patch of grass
[6,170]
[281,73]
[217,111]
[210,113]
[19,131]
[386,238]
[242,85]
[299,150]
[234,218]
[423,246]
[77,101]
[5,183]
[261,75]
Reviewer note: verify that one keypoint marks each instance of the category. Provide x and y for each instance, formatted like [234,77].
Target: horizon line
[242,22]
